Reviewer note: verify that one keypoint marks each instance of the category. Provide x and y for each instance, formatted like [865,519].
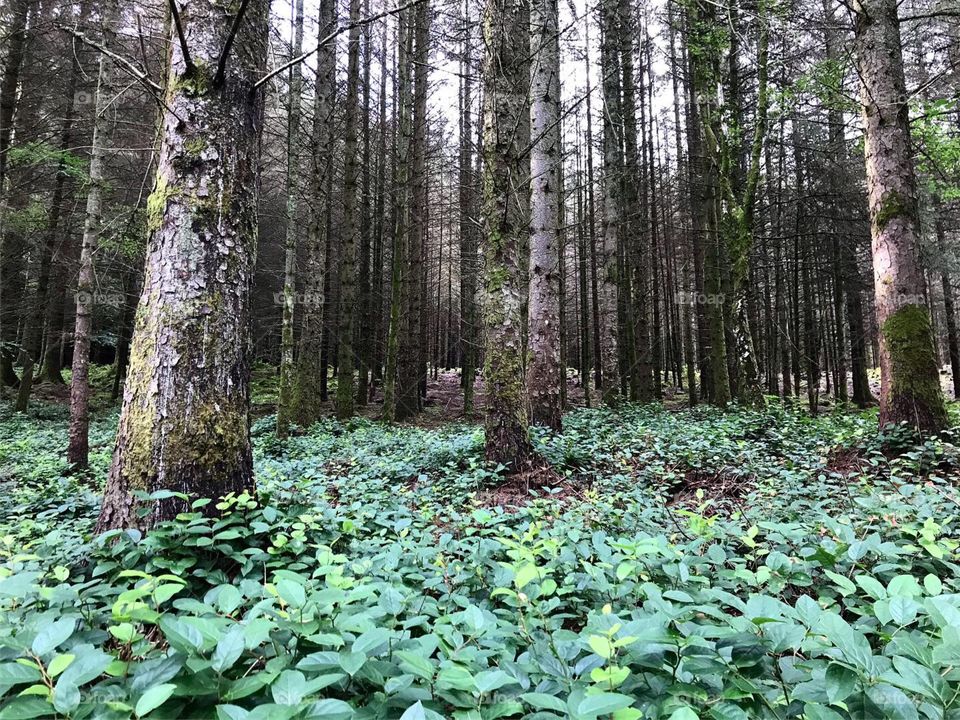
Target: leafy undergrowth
[673,565]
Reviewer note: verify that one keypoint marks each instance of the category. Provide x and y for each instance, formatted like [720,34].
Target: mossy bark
[909,378]
[185,420]
[506,82]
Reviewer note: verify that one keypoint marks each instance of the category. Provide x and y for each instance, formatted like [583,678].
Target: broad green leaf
[154,698]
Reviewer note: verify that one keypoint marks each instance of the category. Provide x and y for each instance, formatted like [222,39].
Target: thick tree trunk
[506,78]
[16,41]
[291,234]
[78,447]
[306,398]
[613,202]
[543,371]
[185,424]
[909,378]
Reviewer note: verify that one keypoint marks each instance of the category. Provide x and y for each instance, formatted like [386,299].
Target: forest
[478,359]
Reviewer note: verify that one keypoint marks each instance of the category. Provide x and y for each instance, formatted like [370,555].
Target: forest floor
[671,563]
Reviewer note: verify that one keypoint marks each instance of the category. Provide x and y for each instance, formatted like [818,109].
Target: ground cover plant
[672,564]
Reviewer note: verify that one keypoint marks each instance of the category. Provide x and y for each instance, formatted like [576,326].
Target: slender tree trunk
[309,369]
[543,371]
[77,449]
[909,378]
[506,78]
[949,311]
[185,423]
[366,310]
[291,236]
[346,362]
[468,243]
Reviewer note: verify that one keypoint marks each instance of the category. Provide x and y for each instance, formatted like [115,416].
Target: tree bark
[185,423]
[506,79]
[543,371]
[909,378]
[78,447]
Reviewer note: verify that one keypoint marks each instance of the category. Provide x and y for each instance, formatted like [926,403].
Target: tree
[294,93]
[909,378]
[613,201]
[543,372]
[506,78]
[78,448]
[346,393]
[468,238]
[306,399]
[185,422]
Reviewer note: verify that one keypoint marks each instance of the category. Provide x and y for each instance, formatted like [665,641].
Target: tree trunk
[506,78]
[185,423]
[78,447]
[346,392]
[909,378]
[291,236]
[468,243]
[543,371]
[306,399]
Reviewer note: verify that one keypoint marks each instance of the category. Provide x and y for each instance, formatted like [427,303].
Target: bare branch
[119,60]
[188,61]
[225,53]
[331,37]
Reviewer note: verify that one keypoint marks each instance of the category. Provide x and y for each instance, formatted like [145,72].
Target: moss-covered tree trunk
[306,397]
[505,84]
[78,446]
[909,378]
[543,371]
[185,423]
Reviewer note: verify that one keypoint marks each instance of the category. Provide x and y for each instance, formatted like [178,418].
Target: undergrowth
[689,564]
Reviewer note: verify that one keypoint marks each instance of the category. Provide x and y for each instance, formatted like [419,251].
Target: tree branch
[181,37]
[121,61]
[228,45]
[333,36]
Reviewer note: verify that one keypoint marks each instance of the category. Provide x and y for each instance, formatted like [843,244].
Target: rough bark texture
[346,362]
[78,447]
[909,379]
[306,398]
[291,237]
[543,371]
[468,241]
[613,203]
[185,423]
[506,80]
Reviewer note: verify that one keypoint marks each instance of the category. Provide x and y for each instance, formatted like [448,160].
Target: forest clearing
[478,359]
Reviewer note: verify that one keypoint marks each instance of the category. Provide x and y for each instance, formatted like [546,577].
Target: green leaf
[414,712]
[684,713]
[839,682]
[154,698]
[292,593]
[231,712]
[919,679]
[229,649]
[328,709]
[525,574]
[289,688]
[544,701]
[371,640]
[603,704]
[25,708]
[52,635]
[490,680]
[351,662]
[816,711]
[601,646]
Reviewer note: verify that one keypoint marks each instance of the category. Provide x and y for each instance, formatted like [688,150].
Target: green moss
[157,204]
[195,146]
[892,206]
[915,380]
[195,82]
